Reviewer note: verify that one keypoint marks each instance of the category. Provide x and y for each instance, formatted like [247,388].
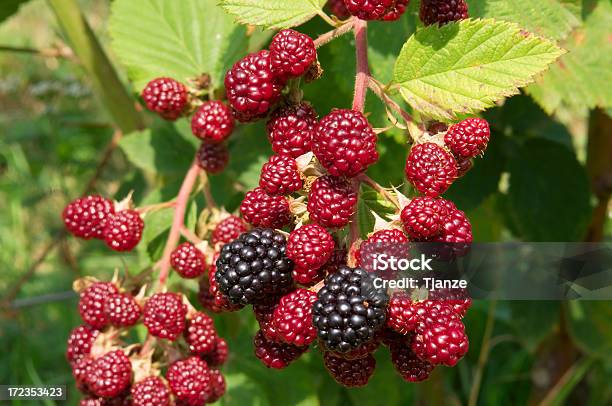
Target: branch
[208,197]
[483,356]
[178,221]
[335,33]
[377,187]
[58,52]
[360,29]
[190,235]
[377,88]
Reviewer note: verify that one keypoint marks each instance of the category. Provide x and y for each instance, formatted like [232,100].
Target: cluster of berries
[96,217]
[212,121]
[110,371]
[431,11]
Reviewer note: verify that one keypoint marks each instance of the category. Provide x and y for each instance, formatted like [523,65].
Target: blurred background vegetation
[545,177]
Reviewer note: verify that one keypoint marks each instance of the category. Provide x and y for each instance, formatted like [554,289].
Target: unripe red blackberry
[291,54]
[92,301]
[123,230]
[468,138]
[264,313]
[200,334]
[291,129]
[85,217]
[387,10]
[280,176]
[430,169]
[403,314]
[310,246]
[81,369]
[338,259]
[164,315]
[166,97]
[350,373]
[331,202]
[217,382]
[408,365]
[349,310]
[122,310]
[273,354]
[423,218]
[440,335]
[292,318]
[189,381]
[307,276]
[338,9]
[228,229]
[188,261]
[458,298]
[442,11]
[221,302]
[463,166]
[79,342]
[151,391]
[345,143]
[456,227]
[212,157]
[206,299]
[254,267]
[391,242]
[213,121]
[218,356]
[262,210]
[110,374]
[251,86]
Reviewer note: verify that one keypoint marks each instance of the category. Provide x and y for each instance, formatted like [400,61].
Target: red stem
[333,34]
[178,221]
[354,225]
[360,28]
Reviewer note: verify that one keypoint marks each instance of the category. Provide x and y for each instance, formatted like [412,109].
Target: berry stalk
[333,34]
[360,28]
[178,221]
[379,91]
[377,187]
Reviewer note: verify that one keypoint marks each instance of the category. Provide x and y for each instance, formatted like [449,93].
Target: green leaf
[581,78]
[466,67]
[159,150]
[549,202]
[532,327]
[275,14]
[180,39]
[550,18]
[590,325]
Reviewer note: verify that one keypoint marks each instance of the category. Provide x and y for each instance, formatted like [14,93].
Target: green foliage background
[533,184]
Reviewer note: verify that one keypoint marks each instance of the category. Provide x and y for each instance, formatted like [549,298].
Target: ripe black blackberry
[349,310]
[254,266]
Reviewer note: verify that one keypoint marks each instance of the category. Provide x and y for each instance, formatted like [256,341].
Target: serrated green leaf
[159,150]
[275,14]
[551,18]
[180,39]
[581,78]
[466,67]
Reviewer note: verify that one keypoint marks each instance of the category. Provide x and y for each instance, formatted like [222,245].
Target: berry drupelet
[291,128]
[468,138]
[213,122]
[164,315]
[188,261]
[122,310]
[123,230]
[280,176]
[331,202]
[291,54]
[92,302]
[430,169]
[350,373]
[263,210]
[166,97]
[213,157]
[254,267]
[345,143]
[442,11]
[349,310]
[228,229]
[310,246]
[86,217]
[251,86]
[273,354]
